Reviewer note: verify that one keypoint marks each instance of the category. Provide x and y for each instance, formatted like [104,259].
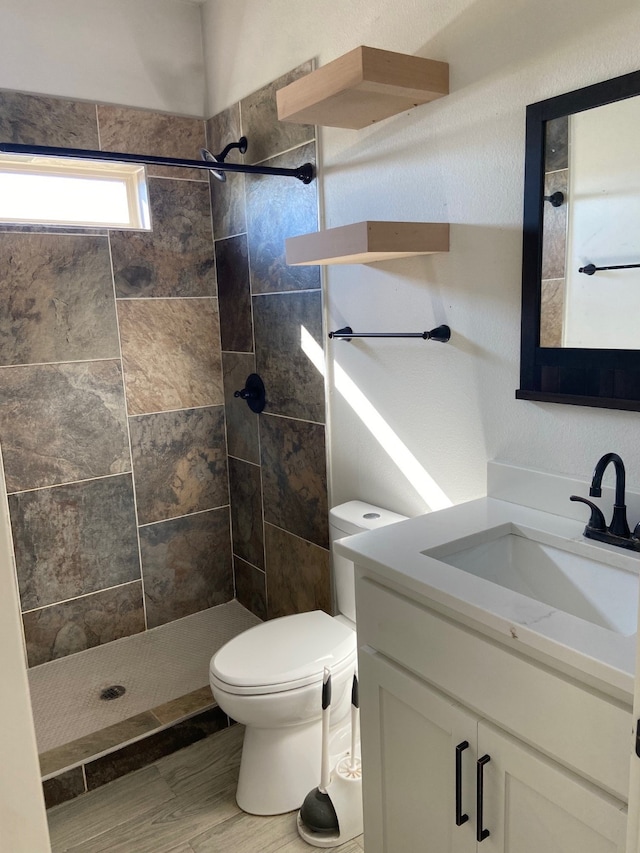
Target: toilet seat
[283,654]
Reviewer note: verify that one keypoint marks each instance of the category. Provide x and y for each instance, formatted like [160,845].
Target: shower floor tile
[165,672]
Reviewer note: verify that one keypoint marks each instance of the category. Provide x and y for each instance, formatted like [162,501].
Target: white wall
[22,815]
[142,53]
[458,160]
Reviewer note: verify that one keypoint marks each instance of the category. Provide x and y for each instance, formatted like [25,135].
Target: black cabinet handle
[481,833]
[460,818]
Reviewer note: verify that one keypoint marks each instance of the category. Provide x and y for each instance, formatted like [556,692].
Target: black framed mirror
[580,340]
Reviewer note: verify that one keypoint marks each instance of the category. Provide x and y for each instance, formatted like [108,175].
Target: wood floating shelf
[367,243]
[362,87]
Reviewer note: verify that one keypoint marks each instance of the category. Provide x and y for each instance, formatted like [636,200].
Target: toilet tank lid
[358,516]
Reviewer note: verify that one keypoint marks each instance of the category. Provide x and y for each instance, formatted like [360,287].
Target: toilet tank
[345,520]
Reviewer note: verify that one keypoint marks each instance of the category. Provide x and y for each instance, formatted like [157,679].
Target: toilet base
[278,768]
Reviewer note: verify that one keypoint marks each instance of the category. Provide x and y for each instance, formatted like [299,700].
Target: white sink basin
[557,572]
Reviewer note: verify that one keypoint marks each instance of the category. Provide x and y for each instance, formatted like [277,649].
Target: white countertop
[602,657]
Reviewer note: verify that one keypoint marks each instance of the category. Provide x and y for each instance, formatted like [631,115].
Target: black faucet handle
[596,520]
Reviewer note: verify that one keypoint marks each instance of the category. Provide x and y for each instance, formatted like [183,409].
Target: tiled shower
[141,491]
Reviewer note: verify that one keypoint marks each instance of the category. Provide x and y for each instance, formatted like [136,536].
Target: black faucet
[617,533]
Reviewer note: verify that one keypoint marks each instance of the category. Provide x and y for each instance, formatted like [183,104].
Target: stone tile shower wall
[271,323]
[127,458]
[111,397]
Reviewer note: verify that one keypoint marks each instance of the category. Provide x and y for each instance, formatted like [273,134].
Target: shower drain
[113,692]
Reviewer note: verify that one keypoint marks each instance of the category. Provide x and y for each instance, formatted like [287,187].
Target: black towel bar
[440,333]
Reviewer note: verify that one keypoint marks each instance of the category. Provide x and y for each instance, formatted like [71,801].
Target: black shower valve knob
[253,393]
[246,394]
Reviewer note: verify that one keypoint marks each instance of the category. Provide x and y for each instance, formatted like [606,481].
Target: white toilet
[270,679]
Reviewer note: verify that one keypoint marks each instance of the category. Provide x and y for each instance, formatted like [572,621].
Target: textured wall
[111,397]
[459,160]
[277,460]
[146,53]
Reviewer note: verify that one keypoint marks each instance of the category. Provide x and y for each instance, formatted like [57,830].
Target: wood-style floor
[184,803]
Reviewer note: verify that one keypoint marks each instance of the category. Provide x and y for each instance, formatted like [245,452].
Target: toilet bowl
[279,703]
[269,678]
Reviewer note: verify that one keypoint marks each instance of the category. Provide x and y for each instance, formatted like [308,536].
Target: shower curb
[97,770]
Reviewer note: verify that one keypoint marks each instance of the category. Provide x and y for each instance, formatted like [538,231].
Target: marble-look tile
[554,235]
[61,423]
[242,423]
[267,136]
[552,312]
[285,325]
[170,353]
[56,299]
[280,207]
[64,787]
[186,565]
[234,294]
[176,258]
[246,511]
[41,120]
[179,462]
[136,755]
[294,478]
[298,575]
[557,144]
[197,700]
[251,587]
[134,131]
[63,629]
[92,744]
[73,540]
[227,199]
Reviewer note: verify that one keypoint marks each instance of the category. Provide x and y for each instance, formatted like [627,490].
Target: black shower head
[241,145]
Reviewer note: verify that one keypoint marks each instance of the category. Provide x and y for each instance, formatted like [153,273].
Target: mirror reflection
[591,218]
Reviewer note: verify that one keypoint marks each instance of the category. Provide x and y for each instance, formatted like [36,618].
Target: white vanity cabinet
[409,736]
[436,698]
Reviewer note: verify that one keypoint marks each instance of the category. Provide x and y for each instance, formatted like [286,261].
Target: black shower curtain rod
[304,173]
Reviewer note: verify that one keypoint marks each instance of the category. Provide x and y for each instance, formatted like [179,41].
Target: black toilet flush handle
[253,392]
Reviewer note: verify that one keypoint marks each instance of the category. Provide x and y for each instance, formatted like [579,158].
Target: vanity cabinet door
[409,738]
[531,804]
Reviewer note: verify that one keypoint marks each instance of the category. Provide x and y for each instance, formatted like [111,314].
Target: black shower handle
[253,393]
[246,394]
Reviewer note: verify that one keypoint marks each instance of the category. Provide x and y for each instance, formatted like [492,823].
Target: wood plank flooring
[184,803]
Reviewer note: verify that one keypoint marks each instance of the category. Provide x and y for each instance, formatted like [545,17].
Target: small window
[57,191]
